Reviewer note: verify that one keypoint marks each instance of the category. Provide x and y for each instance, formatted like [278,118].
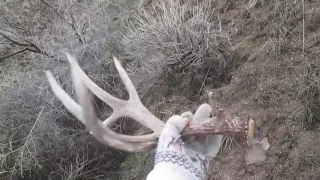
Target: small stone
[250,169]
[252,57]
[242,172]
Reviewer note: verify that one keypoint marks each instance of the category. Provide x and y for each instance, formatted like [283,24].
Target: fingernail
[187,122]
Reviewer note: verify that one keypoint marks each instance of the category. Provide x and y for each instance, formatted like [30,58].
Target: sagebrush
[38,137]
[181,38]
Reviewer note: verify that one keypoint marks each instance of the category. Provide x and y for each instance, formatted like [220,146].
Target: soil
[264,88]
[273,43]
[268,60]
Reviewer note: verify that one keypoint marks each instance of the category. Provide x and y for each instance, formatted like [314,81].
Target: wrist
[178,164]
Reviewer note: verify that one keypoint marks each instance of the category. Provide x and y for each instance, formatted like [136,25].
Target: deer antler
[132,108]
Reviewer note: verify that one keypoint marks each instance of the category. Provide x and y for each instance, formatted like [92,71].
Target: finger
[188,116]
[178,122]
[202,114]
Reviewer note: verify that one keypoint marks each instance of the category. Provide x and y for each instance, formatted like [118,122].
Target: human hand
[189,159]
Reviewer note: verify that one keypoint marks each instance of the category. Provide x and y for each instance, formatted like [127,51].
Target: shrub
[180,37]
[39,139]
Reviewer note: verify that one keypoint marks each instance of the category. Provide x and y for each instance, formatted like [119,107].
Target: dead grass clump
[309,160]
[137,166]
[285,19]
[309,92]
[176,37]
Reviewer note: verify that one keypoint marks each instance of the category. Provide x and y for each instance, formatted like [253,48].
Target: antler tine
[100,93]
[135,109]
[102,133]
[74,107]
[66,100]
[132,108]
[133,95]
[121,109]
[88,118]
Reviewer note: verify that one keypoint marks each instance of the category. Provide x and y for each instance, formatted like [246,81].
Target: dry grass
[309,161]
[171,37]
[175,37]
[167,47]
[137,166]
[309,92]
[52,144]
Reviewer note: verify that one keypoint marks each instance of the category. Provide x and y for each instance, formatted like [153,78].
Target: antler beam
[132,108]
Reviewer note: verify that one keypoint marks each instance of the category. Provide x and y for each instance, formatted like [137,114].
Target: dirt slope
[268,87]
[275,80]
[275,73]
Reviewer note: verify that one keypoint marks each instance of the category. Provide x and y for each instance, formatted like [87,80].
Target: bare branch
[13,54]
[13,41]
[58,14]
[72,25]
[29,46]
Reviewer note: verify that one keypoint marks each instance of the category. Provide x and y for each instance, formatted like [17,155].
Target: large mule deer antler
[132,108]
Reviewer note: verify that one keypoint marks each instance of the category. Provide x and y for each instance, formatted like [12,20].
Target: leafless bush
[175,36]
[38,137]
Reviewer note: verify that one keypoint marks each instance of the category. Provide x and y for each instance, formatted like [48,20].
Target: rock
[257,153]
[242,172]
[250,169]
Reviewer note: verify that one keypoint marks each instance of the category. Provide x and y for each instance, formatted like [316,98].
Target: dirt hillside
[277,84]
[272,76]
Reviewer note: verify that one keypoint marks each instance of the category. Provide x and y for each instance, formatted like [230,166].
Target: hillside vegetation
[259,57]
